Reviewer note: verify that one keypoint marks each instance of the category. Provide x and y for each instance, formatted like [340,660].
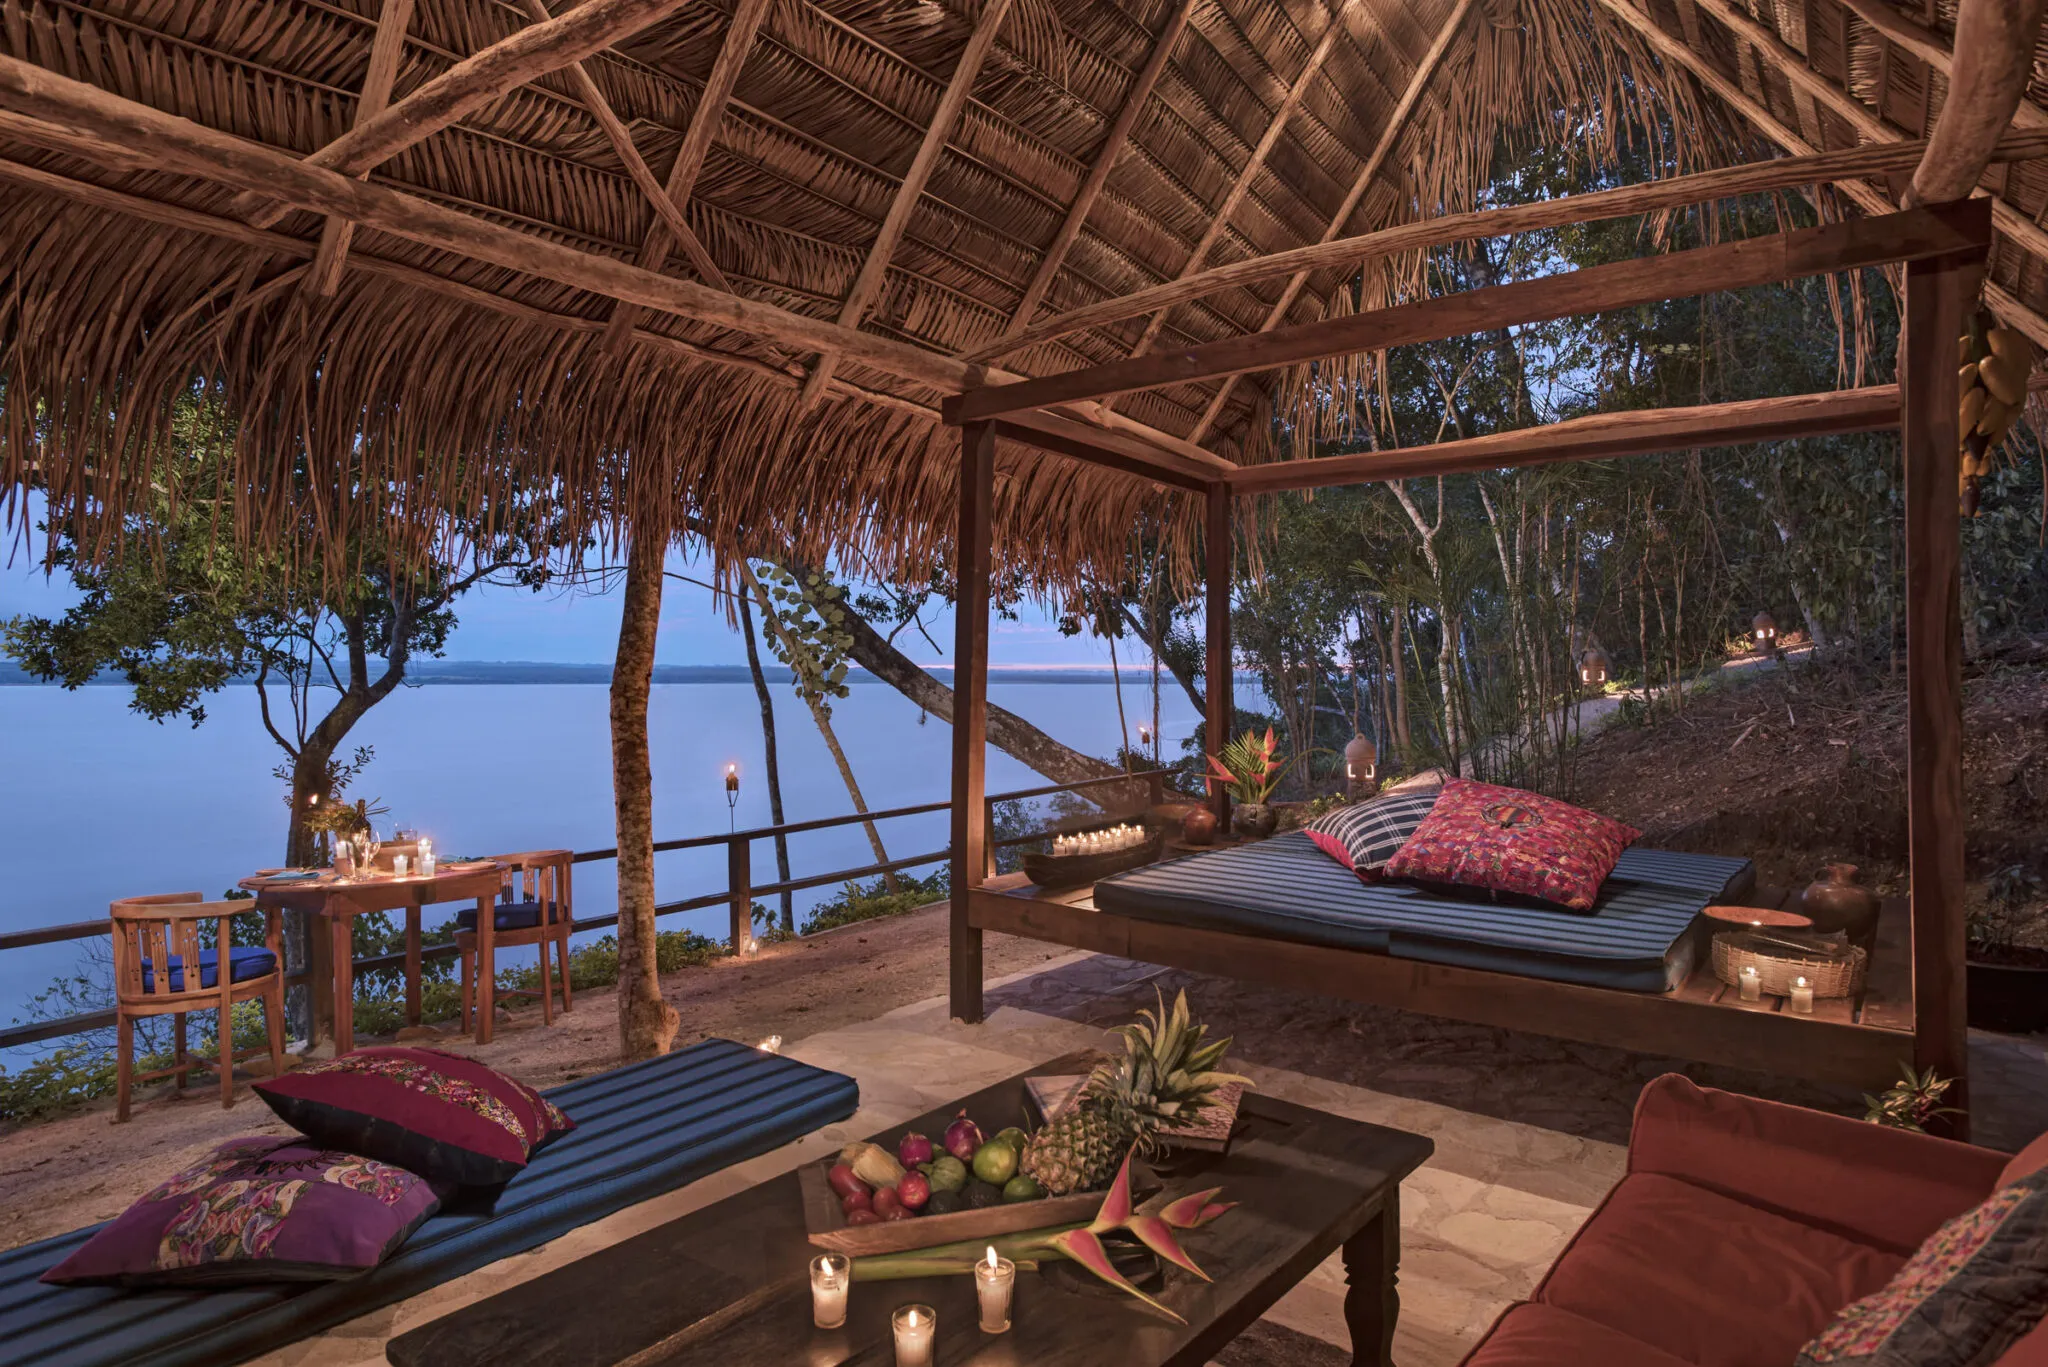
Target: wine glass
[367,846]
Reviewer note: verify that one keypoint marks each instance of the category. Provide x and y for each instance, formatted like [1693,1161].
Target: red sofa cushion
[1706,1278]
[1537,1335]
[1483,837]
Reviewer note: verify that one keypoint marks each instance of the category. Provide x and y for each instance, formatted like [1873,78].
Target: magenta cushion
[1506,841]
[443,1116]
[261,1209]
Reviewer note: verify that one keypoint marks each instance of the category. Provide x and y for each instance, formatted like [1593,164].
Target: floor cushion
[443,1116]
[1538,1335]
[256,1210]
[1977,1285]
[1363,836]
[1707,1278]
[505,916]
[244,962]
[1485,838]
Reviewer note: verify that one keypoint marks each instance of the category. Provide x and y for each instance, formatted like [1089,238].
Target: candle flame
[991,1257]
[771,1045]
[1801,982]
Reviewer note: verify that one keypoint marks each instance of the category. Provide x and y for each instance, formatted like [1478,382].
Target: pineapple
[1164,1079]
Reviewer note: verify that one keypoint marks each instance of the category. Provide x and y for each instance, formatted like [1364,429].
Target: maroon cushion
[1506,841]
[261,1209]
[1707,1278]
[2026,1162]
[1538,1335]
[445,1117]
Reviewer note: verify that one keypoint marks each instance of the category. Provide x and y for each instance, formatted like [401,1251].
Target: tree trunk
[647,1024]
[773,765]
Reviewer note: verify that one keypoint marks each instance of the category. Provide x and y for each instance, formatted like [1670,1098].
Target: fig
[963,1137]
[914,1190]
[913,1149]
[843,1180]
[863,1217]
[856,1200]
[885,1201]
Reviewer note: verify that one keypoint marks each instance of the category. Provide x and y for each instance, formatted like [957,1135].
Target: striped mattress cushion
[1365,835]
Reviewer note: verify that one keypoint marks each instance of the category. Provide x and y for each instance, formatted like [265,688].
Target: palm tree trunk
[647,1024]
[774,765]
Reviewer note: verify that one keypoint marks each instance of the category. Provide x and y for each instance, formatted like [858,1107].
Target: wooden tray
[826,1220]
[1073,870]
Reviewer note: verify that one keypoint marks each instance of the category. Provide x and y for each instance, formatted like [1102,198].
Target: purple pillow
[260,1209]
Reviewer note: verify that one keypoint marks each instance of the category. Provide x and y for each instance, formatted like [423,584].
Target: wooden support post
[739,882]
[1937,292]
[1216,608]
[973,565]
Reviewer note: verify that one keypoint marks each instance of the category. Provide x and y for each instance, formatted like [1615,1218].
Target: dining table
[333,902]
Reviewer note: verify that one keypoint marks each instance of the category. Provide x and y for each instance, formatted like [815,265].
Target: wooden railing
[738,894]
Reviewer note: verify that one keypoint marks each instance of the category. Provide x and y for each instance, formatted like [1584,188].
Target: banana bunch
[1992,384]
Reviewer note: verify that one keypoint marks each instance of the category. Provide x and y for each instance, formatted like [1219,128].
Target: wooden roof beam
[1078,442]
[1929,46]
[1390,135]
[387,51]
[1106,154]
[1913,234]
[470,84]
[875,269]
[697,139]
[1600,436]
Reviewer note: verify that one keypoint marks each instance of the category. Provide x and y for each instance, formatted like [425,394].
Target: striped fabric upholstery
[642,1130]
[1637,937]
[1373,831]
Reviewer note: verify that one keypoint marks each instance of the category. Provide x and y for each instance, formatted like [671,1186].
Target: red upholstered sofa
[1741,1228]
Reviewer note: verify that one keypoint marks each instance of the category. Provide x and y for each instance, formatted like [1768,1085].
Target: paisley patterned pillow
[261,1209]
[1506,841]
[1977,1285]
[445,1117]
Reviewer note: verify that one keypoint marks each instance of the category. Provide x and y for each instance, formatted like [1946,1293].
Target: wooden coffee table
[728,1285]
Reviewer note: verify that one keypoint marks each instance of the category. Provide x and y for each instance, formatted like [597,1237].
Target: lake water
[98,803]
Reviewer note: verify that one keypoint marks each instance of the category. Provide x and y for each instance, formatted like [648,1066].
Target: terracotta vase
[1198,827]
[1839,902]
[1253,820]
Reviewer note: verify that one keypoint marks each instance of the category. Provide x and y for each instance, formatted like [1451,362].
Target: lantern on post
[1764,628]
[732,795]
[1361,765]
[1594,667]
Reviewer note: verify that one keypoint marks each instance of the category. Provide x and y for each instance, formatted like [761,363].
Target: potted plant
[1911,1102]
[1250,767]
[2008,981]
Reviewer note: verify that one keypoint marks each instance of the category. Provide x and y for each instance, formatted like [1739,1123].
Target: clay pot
[1839,902]
[1198,827]
[1253,820]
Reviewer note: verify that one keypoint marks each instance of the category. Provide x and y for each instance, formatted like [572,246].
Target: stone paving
[1530,1135]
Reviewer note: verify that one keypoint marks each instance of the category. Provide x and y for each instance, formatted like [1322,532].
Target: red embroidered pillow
[1503,840]
[445,1117]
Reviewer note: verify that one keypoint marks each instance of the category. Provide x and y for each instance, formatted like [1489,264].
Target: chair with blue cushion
[161,969]
[534,908]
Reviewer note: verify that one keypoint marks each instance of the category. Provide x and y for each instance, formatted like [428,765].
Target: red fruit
[895,1213]
[914,1190]
[856,1200]
[886,1200]
[843,1181]
[963,1137]
[913,1149]
[864,1217]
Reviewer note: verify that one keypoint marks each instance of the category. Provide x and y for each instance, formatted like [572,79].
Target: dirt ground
[59,1174]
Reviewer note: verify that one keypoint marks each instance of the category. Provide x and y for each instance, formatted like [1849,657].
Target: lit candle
[994,1279]
[917,1326]
[1801,1000]
[399,865]
[831,1279]
[771,1045]
[426,857]
[1752,986]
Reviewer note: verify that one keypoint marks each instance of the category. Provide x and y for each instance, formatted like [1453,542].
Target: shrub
[871,901]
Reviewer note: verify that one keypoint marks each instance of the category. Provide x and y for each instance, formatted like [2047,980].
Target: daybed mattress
[1637,937]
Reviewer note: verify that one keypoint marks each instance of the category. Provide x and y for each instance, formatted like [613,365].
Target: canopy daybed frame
[1914,1010]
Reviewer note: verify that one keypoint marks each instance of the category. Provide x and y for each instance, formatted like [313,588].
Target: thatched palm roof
[1269,124]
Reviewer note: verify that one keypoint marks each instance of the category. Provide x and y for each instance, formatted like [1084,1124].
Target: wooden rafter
[470,84]
[697,140]
[1913,234]
[1389,136]
[1106,154]
[1927,45]
[387,51]
[1600,436]
[874,270]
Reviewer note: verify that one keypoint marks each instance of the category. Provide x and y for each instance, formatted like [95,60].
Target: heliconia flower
[1085,1248]
[1210,1212]
[1116,1203]
[1155,1234]
[1186,1212]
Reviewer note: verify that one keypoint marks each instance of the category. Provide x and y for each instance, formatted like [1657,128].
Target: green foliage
[872,900]
[1911,1102]
[1250,766]
[810,635]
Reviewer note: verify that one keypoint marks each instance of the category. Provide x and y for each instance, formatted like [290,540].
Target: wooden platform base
[1857,1042]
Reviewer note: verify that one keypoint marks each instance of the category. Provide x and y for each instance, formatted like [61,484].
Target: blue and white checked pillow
[1371,832]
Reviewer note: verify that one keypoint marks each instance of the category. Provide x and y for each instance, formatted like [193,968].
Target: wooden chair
[156,952]
[535,908]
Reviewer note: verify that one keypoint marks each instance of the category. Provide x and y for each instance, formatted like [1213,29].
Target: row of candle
[916,1327]
[1799,1000]
[1099,842]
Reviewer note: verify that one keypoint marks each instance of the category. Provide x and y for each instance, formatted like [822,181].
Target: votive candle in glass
[917,1331]
[1801,1000]
[400,865]
[426,857]
[831,1279]
[1751,985]
[994,1280]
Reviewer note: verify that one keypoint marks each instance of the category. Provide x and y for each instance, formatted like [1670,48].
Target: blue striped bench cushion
[642,1130]
[1635,938]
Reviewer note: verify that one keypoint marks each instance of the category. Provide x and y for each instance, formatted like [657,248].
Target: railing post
[739,881]
[988,863]
[1155,791]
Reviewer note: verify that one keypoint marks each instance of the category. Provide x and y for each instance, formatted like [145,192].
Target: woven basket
[1779,959]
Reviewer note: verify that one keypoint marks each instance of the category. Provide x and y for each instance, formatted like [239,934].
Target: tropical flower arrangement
[1250,767]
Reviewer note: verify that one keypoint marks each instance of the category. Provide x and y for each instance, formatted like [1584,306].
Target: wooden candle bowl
[1759,916]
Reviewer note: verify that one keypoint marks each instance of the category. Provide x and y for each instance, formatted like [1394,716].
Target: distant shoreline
[534,672]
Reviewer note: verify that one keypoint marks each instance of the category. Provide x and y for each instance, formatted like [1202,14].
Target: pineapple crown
[1168,1071]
